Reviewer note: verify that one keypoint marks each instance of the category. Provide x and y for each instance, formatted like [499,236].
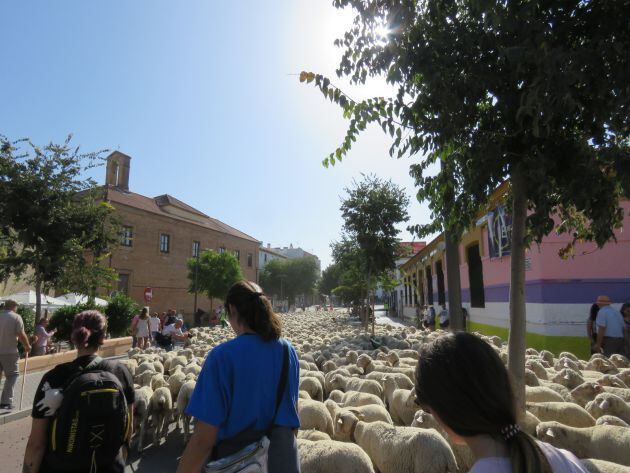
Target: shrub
[28,317]
[63,318]
[120,310]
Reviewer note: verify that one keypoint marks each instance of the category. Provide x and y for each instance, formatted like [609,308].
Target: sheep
[175,382]
[620,361]
[402,380]
[369,365]
[611,420]
[313,387]
[144,379]
[565,362]
[463,455]
[609,403]
[600,466]
[624,376]
[314,415]
[397,449]
[192,368]
[344,418]
[538,369]
[318,375]
[160,408]
[312,434]
[141,413]
[603,365]
[602,442]
[355,384]
[541,394]
[183,398]
[131,365]
[560,389]
[328,456]
[586,392]
[401,403]
[354,398]
[612,381]
[530,378]
[565,412]
[158,381]
[303,395]
[568,378]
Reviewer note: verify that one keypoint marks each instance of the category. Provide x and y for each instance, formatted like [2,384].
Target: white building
[293,253]
[266,254]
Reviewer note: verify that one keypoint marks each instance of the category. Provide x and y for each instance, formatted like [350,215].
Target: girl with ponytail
[248,386]
[462,382]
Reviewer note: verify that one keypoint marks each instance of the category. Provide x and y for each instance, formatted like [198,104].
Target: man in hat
[610,328]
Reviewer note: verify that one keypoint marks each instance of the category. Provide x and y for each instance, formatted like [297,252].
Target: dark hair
[624,307]
[462,379]
[593,312]
[254,309]
[144,313]
[88,329]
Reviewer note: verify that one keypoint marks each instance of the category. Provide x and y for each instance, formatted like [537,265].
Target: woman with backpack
[229,418]
[83,410]
[476,408]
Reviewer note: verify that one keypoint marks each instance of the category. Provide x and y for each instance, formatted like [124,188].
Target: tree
[290,278]
[216,273]
[330,279]
[534,93]
[56,227]
[120,311]
[371,211]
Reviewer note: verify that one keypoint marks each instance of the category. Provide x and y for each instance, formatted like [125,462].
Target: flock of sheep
[357,409]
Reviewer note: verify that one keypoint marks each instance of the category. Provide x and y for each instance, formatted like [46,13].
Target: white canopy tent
[74,298]
[29,298]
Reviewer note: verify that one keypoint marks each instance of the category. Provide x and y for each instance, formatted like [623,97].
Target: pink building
[558,292]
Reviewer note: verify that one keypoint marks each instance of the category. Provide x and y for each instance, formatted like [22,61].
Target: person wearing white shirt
[154,325]
[174,331]
[462,382]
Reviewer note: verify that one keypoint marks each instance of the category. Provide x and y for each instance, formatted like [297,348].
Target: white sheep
[329,456]
[356,384]
[609,404]
[354,398]
[401,402]
[603,442]
[345,418]
[611,420]
[567,413]
[161,409]
[313,387]
[183,398]
[600,466]
[568,378]
[314,415]
[541,394]
[141,413]
[312,434]
[586,392]
[404,449]
[613,381]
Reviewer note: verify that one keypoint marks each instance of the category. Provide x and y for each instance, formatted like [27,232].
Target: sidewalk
[30,386]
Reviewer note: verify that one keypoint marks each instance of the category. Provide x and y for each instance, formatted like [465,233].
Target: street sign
[148,294]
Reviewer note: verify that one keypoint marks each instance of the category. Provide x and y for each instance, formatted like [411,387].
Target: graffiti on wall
[499,232]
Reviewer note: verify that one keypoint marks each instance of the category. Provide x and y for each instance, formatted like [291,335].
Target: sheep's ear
[339,421]
[550,433]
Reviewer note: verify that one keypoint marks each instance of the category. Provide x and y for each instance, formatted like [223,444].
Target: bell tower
[117,174]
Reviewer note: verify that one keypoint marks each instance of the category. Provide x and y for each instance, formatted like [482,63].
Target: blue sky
[203,95]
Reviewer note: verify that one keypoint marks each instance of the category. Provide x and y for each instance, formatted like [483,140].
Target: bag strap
[92,365]
[284,375]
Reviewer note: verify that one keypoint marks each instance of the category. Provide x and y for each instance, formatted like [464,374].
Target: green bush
[120,310]
[63,318]
[28,317]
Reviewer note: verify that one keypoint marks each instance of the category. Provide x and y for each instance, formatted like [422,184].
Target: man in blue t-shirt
[610,328]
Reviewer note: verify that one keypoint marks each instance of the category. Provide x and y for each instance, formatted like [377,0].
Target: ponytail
[526,456]
[254,309]
[88,329]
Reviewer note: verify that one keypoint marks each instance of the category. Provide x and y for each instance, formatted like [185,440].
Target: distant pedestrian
[82,411]
[429,318]
[11,330]
[42,337]
[418,316]
[134,323]
[143,329]
[591,326]
[625,311]
[176,334]
[445,320]
[154,325]
[610,328]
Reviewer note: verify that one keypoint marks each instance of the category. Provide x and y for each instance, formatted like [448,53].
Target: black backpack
[92,422]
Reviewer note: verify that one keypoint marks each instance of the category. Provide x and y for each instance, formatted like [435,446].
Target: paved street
[32,381]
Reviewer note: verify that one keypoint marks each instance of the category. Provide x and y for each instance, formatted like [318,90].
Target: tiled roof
[148,204]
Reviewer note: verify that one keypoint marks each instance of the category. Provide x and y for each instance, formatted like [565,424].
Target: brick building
[158,235]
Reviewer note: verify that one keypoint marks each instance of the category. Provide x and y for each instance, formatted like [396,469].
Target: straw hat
[603,300]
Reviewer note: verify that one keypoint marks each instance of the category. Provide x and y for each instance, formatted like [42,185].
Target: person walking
[83,410]
[476,408]
[143,329]
[610,328]
[11,330]
[154,325]
[591,326]
[254,361]
[40,347]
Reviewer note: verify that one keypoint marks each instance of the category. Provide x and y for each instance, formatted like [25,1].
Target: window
[222,249]
[165,243]
[265,257]
[440,283]
[123,283]
[475,277]
[126,236]
[195,249]
[237,254]
[429,277]
[250,260]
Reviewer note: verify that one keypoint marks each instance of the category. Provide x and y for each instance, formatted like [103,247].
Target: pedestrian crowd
[608,328]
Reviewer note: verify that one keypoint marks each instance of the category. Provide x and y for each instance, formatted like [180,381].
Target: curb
[13,416]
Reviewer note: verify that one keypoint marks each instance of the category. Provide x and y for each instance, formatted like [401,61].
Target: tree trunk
[367,298]
[516,343]
[38,300]
[453,281]
[373,311]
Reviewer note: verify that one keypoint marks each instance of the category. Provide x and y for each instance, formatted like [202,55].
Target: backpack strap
[91,366]
[284,375]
